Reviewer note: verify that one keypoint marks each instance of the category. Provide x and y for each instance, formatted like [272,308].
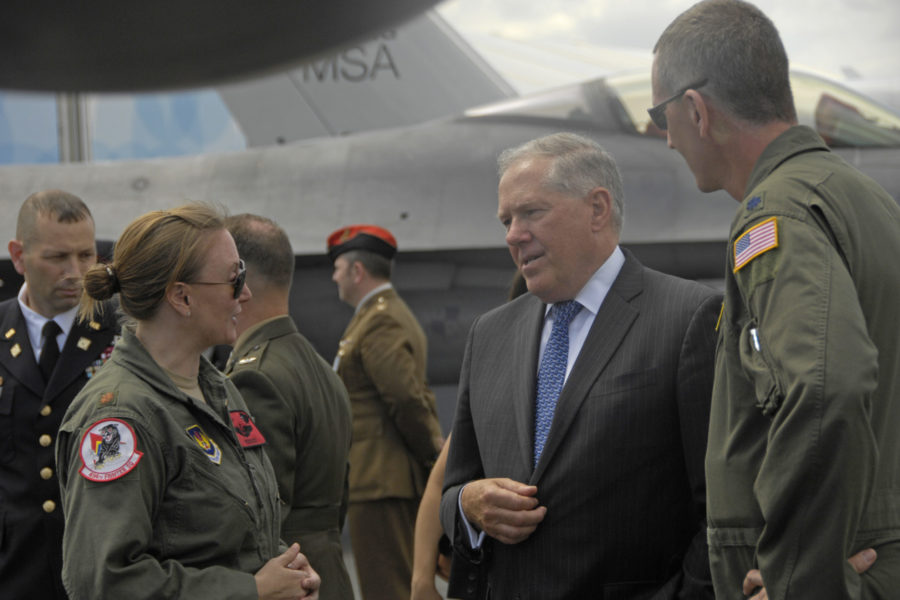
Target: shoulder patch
[248,433]
[758,239]
[209,447]
[108,450]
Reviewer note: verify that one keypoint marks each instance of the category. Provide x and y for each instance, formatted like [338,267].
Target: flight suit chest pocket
[756,361]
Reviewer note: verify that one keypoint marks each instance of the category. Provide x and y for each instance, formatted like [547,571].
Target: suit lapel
[85,343]
[611,325]
[16,353]
[525,347]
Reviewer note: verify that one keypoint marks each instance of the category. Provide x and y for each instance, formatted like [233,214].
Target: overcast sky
[825,35]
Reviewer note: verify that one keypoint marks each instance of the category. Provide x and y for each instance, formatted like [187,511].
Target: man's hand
[504,509]
[753,582]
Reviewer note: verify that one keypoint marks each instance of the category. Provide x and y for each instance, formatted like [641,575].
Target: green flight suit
[803,461]
[302,408]
[191,509]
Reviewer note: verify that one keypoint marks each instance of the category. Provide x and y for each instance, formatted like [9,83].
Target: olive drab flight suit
[803,462]
[184,505]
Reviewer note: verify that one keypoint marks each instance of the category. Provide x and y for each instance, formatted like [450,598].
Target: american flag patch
[756,240]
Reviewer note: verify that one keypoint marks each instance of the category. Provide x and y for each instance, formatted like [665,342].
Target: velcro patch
[209,447]
[108,450]
[248,433]
[755,241]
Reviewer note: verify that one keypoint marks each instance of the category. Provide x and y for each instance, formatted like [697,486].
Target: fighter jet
[434,186]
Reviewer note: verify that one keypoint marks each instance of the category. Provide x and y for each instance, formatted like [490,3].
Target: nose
[72,267]
[246,294]
[517,233]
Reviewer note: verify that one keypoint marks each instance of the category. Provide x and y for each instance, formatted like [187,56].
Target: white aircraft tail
[415,72]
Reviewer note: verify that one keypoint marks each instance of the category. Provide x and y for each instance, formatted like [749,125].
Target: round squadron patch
[108,450]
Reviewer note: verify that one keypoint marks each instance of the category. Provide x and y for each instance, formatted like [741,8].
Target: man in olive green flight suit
[396,434]
[298,403]
[803,462]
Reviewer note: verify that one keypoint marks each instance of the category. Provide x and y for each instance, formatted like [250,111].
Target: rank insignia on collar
[246,360]
[94,325]
[248,433]
[9,333]
[16,350]
[209,447]
[84,343]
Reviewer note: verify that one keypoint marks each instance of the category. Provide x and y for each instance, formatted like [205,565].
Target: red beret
[362,237]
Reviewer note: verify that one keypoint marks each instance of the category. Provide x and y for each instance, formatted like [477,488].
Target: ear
[178,298]
[356,271]
[699,111]
[16,250]
[601,203]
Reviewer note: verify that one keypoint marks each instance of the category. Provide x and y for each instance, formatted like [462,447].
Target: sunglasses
[658,112]
[238,282]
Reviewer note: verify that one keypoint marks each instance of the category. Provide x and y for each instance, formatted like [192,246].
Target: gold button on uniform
[46,473]
[45,412]
[49,506]
[45,440]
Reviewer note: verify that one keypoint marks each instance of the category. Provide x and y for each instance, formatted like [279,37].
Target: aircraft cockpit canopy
[843,117]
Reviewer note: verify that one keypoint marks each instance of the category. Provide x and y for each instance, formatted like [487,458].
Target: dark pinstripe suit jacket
[621,474]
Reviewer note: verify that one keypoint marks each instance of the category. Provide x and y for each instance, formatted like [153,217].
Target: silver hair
[579,165]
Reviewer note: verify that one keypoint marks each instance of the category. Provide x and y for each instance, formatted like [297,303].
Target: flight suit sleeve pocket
[756,362]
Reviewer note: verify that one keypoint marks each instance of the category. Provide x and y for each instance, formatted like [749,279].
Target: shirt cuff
[476,538]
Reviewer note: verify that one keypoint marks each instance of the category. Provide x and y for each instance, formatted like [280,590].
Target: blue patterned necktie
[552,373]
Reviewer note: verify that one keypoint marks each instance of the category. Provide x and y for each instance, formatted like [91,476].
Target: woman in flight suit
[166,489]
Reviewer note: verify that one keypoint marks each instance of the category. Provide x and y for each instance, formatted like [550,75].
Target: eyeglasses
[238,282]
[658,112]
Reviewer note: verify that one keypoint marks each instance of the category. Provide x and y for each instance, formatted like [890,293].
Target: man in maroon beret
[396,434]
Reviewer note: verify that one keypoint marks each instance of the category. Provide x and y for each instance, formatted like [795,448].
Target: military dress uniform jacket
[164,496]
[803,465]
[31,520]
[396,434]
[301,407]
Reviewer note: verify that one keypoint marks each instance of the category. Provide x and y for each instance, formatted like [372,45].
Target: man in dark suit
[298,402]
[576,463]
[46,356]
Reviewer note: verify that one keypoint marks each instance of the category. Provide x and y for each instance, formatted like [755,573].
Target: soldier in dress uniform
[396,434]
[46,356]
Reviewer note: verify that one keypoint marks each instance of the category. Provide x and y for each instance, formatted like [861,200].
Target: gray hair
[579,165]
[735,47]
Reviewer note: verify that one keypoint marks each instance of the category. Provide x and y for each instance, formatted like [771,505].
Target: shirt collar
[373,292]
[594,291]
[35,321]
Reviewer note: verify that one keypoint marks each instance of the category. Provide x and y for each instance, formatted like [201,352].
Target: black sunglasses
[658,112]
[238,282]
